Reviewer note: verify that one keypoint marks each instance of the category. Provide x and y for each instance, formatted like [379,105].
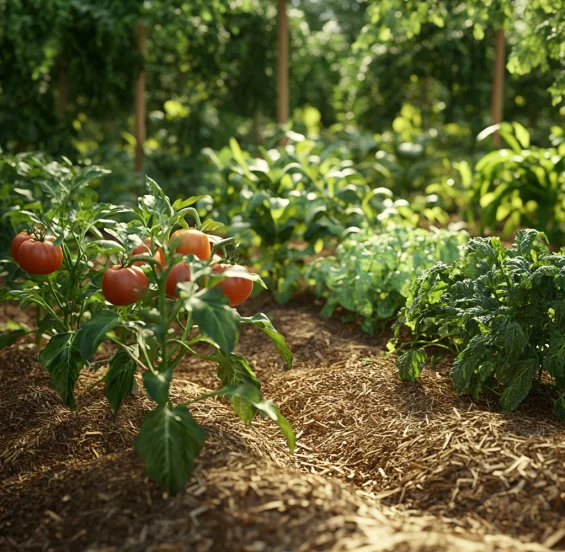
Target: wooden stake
[140,99]
[282,65]
[498,84]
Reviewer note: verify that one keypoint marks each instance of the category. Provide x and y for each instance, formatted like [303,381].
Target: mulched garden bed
[380,464]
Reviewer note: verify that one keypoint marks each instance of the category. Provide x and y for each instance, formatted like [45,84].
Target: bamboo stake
[498,84]
[282,65]
[140,106]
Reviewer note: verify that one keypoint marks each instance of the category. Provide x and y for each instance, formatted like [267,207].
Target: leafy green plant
[500,311]
[521,186]
[372,275]
[290,203]
[151,316]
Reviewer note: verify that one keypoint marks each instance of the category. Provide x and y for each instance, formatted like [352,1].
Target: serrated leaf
[410,364]
[467,362]
[519,387]
[515,339]
[169,442]
[62,359]
[157,385]
[525,240]
[215,318]
[262,322]
[93,332]
[118,380]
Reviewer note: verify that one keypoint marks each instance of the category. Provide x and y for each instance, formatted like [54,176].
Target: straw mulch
[380,465]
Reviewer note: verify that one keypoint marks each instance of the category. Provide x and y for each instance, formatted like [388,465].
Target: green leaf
[169,442]
[519,387]
[157,385]
[210,225]
[262,322]
[525,240]
[234,370]
[522,134]
[252,395]
[9,338]
[182,203]
[118,381]
[215,318]
[410,364]
[467,362]
[93,332]
[62,359]
[269,409]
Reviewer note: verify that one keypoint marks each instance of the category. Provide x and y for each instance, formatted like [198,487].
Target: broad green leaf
[182,203]
[410,364]
[169,442]
[251,394]
[118,380]
[522,134]
[234,370]
[215,318]
[210,225]
[157,385]
[517,390]
[62,359]
[93,332]
[9,338]
[269,409]
[262,322]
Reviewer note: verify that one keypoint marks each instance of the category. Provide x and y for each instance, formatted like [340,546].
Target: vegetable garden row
[123,295]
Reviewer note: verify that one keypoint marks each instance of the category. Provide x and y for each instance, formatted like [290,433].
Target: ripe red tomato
[179,273]
[237,290]
[145,249]
[193,241]
[39,257]
[123,286]
[17,242]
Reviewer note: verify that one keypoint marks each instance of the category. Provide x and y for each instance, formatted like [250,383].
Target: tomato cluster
[127,285]
[36,254]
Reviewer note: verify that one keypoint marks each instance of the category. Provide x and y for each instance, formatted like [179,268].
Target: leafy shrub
[501,312]
[289,204]
[521,186]
[372,275]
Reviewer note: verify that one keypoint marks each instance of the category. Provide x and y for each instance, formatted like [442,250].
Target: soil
[380,465]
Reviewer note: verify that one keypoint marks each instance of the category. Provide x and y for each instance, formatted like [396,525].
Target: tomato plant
[181,314]
[157,302]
